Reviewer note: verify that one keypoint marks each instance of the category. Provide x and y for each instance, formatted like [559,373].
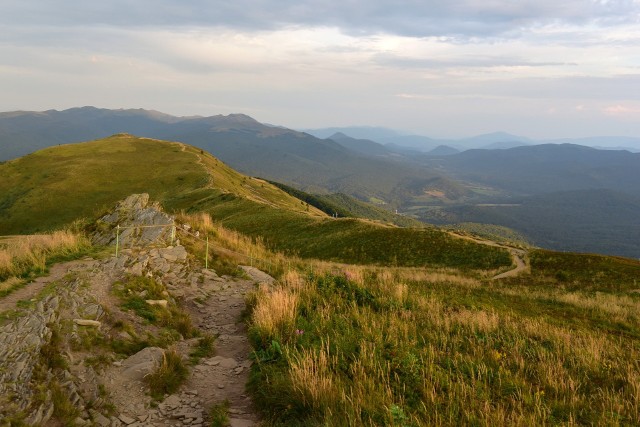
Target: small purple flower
[299,332]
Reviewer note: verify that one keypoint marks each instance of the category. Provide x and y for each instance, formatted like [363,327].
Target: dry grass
[9,284]
[168,376]
[403,347]
[312,380]
[230,245]
[275,312]
[22,254]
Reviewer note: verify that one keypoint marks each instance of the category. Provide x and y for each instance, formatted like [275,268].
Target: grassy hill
[57,185]
[556,346]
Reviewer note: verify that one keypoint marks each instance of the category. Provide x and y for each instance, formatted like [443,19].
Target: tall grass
[371,347]
[23,255]
[228,248]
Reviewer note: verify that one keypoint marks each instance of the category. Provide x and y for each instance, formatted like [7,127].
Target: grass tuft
[170,374]
[219,414]
[30,255]
[204,348]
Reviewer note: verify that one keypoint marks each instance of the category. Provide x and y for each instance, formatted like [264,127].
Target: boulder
[142,363]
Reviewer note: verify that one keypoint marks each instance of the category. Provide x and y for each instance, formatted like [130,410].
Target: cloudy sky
[448,68]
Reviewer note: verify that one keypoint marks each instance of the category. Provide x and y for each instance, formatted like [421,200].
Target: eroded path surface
[80,341]
[223,377]
[215,305]
[56,272]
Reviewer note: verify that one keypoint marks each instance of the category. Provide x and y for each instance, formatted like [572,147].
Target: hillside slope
[55,186]
[601,221]
[547,168]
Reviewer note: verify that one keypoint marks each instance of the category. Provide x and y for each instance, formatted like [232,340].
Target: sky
[449,68]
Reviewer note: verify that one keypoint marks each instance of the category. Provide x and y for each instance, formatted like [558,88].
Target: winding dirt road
[517,255]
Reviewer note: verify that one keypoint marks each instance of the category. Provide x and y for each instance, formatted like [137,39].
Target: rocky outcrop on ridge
[142,224]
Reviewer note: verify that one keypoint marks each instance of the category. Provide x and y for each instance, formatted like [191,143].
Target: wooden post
[206,256]
[117,239]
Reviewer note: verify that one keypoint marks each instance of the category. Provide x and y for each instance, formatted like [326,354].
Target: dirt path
[30,290]
[224,376]
[518,256]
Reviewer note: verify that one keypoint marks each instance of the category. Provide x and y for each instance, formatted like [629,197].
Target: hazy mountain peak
[339,135]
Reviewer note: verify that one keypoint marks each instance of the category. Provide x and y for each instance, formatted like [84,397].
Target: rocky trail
[61,358]
[31,289]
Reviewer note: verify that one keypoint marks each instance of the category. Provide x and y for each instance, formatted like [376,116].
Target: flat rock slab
[239,422]
[142,363]
[86,322]
[225,362]
[258,276]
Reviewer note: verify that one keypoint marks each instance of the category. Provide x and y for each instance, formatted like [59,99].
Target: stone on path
[225,362]
[239,422]
[258,276]
[142,363]
[86,322]
[158,302]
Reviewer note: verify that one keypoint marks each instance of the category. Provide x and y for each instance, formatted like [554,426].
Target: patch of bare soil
[518,257]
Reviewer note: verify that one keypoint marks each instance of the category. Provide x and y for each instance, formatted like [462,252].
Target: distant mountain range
[276,153]
[495,140]
[445,181]
[546,168]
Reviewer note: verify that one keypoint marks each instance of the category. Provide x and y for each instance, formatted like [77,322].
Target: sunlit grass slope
[374,347]
[349,240]
[55,186]
[340,345]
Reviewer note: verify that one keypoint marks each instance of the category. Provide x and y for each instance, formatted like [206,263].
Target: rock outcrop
[62,343]
[141,224]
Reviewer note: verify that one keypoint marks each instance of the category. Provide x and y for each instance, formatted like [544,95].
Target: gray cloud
[453,18]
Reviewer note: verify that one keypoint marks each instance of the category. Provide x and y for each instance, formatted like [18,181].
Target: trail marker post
[206,255]
[117,239]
